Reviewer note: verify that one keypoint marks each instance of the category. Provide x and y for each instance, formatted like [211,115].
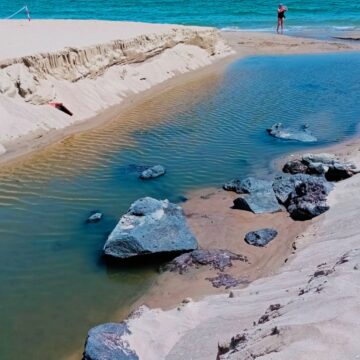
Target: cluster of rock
[327,165]
[302,190]
[217,259]
[303,134]
[150,227]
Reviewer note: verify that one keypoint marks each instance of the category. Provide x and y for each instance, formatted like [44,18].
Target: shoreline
[243,44]
[321,273]
[163,302]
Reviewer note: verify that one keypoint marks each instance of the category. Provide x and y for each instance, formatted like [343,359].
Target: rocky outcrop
[303,134]
[284,185]
[153,172]
[215,258]
[304,196]
[308,200]
[106,341]
[324,164]
[150,227]
[260,237]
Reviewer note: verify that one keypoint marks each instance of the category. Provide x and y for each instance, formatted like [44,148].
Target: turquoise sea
[242,14]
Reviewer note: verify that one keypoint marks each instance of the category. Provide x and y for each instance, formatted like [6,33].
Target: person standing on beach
[281,16]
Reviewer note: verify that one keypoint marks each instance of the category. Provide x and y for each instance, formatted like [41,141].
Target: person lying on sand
[281,16]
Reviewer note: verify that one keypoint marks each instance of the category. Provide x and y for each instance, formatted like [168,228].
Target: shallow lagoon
[53,284]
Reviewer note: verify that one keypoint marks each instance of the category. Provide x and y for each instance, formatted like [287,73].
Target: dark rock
[106,342]
[260,237]
[226,280]
[153,172]
[258,202]
[216,259]
[303,134]
[339,172]
[308,200]
[295,167]
[284,185]
[150,227]
[94,217]
[232,185]
[324,164]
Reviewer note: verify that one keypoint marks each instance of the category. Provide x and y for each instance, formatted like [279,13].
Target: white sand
[323,323]
[44,36]
[89,66]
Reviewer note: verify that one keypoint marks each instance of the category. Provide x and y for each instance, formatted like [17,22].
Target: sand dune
[89,66]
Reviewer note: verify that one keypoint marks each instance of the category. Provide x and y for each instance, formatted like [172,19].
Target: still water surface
[53,284]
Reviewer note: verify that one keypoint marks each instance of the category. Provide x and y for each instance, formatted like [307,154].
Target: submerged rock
[106,342]
[216,259]
[150,227]
[95,217]
[303,134]
[308,200]
[260,237]
[153,172]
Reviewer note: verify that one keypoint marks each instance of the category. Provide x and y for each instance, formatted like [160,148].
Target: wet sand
[217,226]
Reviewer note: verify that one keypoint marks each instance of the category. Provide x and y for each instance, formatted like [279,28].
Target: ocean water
[54,284]
[243,14]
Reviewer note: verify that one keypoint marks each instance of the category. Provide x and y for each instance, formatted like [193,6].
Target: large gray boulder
[150,227]
[303,134]
[153,172]
[258,202]
[106,342]
[260,199]
[260,237]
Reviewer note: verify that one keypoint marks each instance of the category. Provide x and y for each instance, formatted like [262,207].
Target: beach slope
[309,309]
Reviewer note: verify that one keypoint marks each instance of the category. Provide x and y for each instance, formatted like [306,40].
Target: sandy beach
[145,57]
[98,75]
[316,290]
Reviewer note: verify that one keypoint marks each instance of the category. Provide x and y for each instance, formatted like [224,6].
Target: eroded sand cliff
[88,79]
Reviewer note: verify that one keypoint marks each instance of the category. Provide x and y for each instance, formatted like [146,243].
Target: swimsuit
[281,15]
